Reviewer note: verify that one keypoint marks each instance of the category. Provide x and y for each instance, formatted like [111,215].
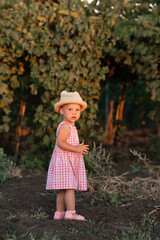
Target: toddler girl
[66,171]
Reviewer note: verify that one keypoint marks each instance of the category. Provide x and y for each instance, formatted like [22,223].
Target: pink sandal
[59,215]
[69,215]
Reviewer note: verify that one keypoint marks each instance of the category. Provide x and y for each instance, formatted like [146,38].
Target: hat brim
[60,104]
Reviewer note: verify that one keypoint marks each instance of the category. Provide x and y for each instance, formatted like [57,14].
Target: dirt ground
[26,212]
[27,209]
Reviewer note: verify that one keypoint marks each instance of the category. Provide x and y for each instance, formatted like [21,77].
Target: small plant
[23,215]
[137,169]
[113,197]
[11,217]
[97,161]
[39,214]
[11,236]
[148,222]
[5,166]
[31,162]
[100,169]
[74,231]
[48,236]
[142,158]
[134,233]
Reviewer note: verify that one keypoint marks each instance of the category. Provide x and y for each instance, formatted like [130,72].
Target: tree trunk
[119,114]
[109,125]
[20,124]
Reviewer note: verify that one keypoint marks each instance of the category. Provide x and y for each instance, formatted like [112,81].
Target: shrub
[5,166]
[97,161]
[31,162]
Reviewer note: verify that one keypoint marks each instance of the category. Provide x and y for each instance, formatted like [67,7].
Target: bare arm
[63,134]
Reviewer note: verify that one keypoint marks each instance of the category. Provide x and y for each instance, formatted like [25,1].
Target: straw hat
[70,97]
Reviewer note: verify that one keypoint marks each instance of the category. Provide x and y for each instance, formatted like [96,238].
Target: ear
[61,110]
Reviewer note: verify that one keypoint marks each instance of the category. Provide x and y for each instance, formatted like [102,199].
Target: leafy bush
[5,166]
[31,162]
[155,146]
[51,47]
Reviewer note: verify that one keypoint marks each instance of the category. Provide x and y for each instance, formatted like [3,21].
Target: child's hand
[81,148]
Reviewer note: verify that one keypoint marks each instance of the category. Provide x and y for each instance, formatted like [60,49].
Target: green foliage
[31,162]
[155,143]
[55,46]
[113,198]
[5,166]
[137,169]
[134,55]
[48,47]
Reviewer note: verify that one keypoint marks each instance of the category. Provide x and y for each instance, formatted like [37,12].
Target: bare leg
[70,199]
[61,200]
[70,205]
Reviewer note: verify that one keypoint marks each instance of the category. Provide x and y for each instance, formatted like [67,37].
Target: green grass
[5,166]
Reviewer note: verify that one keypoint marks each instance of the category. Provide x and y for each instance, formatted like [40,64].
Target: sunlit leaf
[63,12]
[14,82]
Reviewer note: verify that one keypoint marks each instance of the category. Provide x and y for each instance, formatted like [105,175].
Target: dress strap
[60,124]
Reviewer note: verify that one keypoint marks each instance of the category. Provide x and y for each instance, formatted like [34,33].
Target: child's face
[71,112]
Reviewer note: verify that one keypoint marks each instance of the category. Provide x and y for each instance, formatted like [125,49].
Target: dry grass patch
[121,189]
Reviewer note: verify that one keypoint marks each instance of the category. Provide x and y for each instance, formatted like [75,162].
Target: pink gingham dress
[67,169]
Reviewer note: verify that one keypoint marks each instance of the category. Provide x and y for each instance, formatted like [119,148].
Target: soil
[27,209]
